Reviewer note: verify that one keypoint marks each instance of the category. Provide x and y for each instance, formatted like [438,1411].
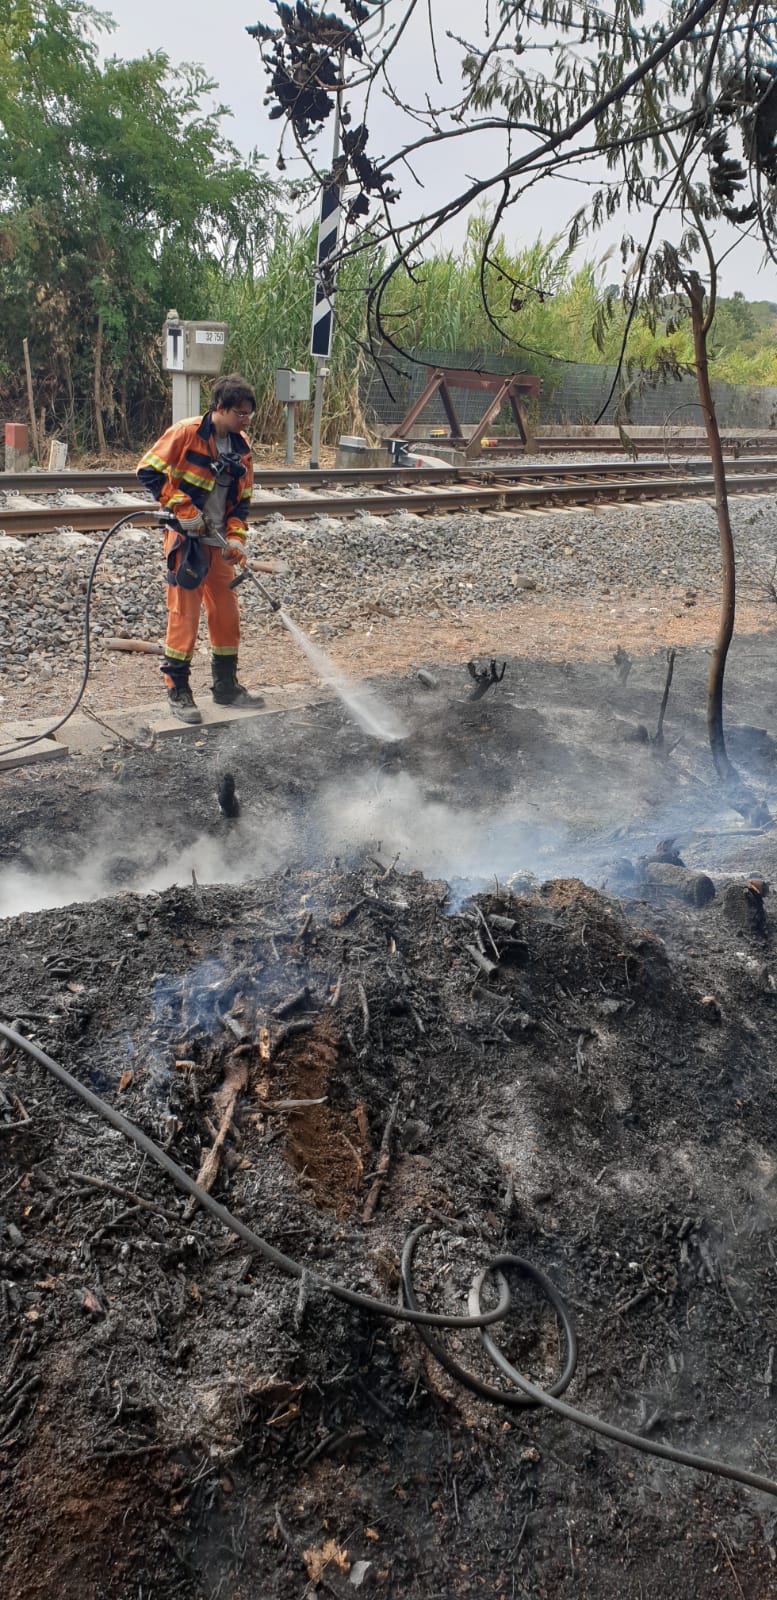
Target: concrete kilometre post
[17,447]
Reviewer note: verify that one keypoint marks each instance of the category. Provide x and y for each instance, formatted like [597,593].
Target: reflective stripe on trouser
[221,609]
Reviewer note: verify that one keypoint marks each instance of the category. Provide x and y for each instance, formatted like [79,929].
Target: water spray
[372,716]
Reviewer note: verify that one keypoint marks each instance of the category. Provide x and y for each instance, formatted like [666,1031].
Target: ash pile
[339,1057]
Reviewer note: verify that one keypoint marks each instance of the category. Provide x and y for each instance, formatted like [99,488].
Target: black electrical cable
[294,1269]
[488,1391]
[534,1395]
[167,520]
[479,1319]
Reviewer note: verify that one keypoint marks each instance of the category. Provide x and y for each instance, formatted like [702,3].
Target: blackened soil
[581,1079]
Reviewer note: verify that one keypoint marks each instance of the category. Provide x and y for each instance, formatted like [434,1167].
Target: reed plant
[543,312]
[269,313]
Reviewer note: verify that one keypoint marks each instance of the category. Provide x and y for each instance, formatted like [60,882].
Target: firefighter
[202,471]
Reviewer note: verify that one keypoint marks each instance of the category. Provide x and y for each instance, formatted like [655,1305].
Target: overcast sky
[215,36]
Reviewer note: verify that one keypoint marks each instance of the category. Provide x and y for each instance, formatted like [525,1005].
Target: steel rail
[579,491]
[563,444]
[105,482]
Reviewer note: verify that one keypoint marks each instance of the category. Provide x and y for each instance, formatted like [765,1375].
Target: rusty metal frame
[500,386]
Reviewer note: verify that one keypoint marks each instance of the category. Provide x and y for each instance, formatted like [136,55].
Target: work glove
[192,526]
[235,553]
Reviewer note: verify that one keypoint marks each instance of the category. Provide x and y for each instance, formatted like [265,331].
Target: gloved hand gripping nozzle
[245,572]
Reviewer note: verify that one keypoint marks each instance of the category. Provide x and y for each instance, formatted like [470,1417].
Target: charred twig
[24,1347]
[363,1002]
[382,1165]
[332,1442]
[484,677]
[303,1025]
[235,1079]
[24,1393]
[658,737]
[356,1156]
[482,961]
[129,744]
[334,998]
[290,1105]
[22,1121]
[292,1002]
[303,1295]
[131,1452]
[489,934]
[384,872]
[636,1300]
[99,1234]
[722,1546]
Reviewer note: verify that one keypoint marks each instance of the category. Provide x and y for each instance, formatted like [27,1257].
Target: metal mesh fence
[578,395]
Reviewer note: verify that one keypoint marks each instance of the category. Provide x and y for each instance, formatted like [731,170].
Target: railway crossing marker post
[323,310]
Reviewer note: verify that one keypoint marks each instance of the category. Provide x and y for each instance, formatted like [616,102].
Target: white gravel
[341,571]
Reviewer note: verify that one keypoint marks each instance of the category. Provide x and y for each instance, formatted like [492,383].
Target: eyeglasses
[243,416]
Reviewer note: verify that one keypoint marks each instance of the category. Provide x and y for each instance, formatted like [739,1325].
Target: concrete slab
[76,502]
[157,718]
[26,755]
[83,736]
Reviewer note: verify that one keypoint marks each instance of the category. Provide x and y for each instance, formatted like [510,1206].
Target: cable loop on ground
[527,1393]
[487,1391]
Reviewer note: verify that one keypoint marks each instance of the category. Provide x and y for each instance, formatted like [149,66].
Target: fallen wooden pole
[141,646]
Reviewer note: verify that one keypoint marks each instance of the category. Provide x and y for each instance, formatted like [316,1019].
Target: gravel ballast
[340,572]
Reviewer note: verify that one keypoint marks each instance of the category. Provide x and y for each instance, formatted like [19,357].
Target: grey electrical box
[197,347]
[291,385]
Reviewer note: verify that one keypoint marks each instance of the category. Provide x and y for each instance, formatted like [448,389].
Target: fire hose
[167,520]
[524,1393]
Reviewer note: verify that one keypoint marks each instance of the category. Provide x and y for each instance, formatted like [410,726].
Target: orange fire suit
[177,471]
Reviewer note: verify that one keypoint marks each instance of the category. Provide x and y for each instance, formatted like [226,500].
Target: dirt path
[533,629]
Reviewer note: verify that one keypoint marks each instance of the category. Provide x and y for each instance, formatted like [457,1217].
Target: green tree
[119,193]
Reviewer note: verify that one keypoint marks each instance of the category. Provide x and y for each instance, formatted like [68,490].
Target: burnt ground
[582,1066]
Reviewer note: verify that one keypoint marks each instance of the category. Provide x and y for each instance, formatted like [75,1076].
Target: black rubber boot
[179,694]
[226,689]
[182,705]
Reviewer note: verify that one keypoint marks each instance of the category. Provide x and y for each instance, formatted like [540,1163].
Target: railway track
[36,503]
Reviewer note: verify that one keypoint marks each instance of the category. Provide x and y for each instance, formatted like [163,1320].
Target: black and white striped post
[323,309]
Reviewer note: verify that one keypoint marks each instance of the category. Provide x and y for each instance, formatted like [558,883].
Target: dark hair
[232,390]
